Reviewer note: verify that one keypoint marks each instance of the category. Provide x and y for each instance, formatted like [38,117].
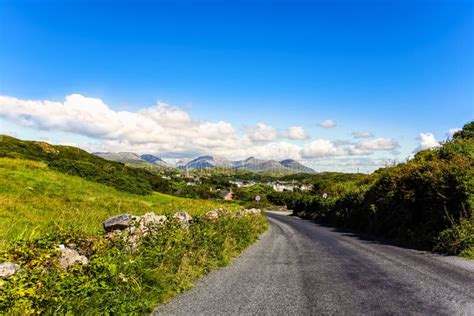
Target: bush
[116,281]
[425,203]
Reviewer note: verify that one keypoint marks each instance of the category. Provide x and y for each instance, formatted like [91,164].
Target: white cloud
[427,141]
[296,133]
[261,133]
[321,148]
[346,164]
[327,124]
[452,131]
[168,131]
[368,147]
[162,127]
[362,134]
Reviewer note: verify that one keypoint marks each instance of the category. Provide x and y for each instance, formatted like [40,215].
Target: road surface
[301,268]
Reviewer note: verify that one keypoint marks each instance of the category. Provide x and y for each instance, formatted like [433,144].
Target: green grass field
[34,198]
[41,207]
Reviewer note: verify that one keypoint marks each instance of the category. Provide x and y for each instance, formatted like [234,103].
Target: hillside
[35,198]
[44,209]
[75,161]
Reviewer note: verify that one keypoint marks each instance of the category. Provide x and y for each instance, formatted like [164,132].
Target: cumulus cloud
[321,148]
[296,133]
[452,131]
[347,164]
[362,134]
[261,133]
[171,132]
[162,126]
[368,147]
[327,124]
[427,141]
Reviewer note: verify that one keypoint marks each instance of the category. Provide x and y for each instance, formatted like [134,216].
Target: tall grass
[41,208]
[34,198]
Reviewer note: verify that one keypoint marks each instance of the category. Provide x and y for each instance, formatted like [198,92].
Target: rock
[8,268]
[149,222]
[119,222]
[153,219]
[138,227]
[251,211]
[212,215]
[70,257]
[113,235]
[183,218]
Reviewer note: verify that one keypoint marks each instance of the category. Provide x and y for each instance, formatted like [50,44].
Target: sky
[339,85]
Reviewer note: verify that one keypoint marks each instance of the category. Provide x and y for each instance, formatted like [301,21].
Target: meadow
[42,207]
[34,198]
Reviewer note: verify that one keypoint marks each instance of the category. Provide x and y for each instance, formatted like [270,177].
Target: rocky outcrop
[69,257]
[183,218]
[8,268]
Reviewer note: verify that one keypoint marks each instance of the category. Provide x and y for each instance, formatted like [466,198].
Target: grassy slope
[33,198]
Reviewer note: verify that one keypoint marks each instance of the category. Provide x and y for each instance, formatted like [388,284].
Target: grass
[34,198]
[41,208]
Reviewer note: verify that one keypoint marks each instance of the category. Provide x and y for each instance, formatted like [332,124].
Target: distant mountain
[155,160]
[257,165]
[287,166]
[203,162]
[284,167]
[296,166]
[119,157]
[133,159]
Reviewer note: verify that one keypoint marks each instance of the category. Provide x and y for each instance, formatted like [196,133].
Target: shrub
[425,203]
[117,281]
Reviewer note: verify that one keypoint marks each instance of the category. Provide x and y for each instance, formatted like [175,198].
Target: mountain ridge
[253,164]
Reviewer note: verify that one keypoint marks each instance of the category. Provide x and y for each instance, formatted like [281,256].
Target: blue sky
[392,68]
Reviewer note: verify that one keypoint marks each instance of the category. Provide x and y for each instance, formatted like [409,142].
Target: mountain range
[134,159]
[286,166]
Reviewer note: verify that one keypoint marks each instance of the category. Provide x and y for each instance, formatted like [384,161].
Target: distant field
[34,198]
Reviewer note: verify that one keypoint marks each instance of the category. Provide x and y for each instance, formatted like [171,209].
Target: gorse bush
[425,203]
[118,281]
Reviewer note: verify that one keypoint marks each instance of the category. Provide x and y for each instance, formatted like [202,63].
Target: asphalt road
[301,268]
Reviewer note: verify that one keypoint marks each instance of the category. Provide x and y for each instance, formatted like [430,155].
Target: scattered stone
[119,222]
[251,211]
[70,257]
[148,223]
[8,268]
[183,218]
[113,235]
[223,211]
[212,215]
[153,219]
[133,230]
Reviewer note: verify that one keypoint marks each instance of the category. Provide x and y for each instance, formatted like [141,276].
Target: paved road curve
[301,268]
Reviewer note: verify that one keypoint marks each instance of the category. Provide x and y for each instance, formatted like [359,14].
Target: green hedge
[116,281]
[425,203]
